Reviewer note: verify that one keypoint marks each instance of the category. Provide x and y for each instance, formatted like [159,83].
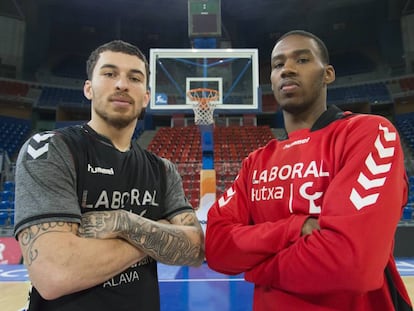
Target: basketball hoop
[204,103]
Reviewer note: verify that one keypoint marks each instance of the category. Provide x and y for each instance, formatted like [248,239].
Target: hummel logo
[100,170]
[359,200]
[297,142]
[39,145]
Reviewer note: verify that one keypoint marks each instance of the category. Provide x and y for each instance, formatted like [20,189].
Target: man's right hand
[310,225]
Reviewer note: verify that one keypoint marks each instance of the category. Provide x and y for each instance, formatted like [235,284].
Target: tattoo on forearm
[29,236]
[162,242]
[169,246]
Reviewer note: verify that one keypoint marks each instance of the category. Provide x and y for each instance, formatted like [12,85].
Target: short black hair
[322,47]
[115,46]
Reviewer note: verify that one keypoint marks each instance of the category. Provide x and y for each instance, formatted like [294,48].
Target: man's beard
[117,122]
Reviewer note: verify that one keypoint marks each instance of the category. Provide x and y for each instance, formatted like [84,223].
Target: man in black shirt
[95,211]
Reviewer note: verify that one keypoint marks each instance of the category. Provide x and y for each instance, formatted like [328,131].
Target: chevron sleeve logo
[229,193]
[361,199]
[39,146]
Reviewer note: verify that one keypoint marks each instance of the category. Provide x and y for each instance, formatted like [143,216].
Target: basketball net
[205,104]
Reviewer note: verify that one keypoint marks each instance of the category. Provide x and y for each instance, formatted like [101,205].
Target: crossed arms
[79,257]
[281,253]
[180,244]
[63,256]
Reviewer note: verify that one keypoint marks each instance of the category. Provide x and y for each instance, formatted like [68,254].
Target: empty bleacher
[269,103]
[13,88]
[231,145]
[52,97]
[369,92]
[7,190]
[13,132]
[178,144]
[407,84]
[405,125]
[7,205]
[408,212]
[182,146]
[234,143]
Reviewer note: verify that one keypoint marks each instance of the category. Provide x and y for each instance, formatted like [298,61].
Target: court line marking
[203,280]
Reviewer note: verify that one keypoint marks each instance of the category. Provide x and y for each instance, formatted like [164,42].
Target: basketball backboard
[232,72]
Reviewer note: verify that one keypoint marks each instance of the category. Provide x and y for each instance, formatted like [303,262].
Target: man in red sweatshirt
[310,219]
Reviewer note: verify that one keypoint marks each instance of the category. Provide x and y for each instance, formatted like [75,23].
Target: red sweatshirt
[347,171]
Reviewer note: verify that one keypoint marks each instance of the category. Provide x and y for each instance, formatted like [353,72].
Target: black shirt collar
[330,115]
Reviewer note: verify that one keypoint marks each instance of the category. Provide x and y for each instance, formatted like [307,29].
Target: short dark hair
[115,46]
[322,47]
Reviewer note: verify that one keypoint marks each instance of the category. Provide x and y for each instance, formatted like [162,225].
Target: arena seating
[405,124]
[407,84]
[231,145]
[13,88]
[408,213]
[178,144]
[13,132]
[7,205]
[234,143]
[182,146]
[55,96]
[370,92]
[269,103]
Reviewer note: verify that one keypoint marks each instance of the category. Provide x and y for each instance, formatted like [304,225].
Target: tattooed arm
[180,242]
[59,262]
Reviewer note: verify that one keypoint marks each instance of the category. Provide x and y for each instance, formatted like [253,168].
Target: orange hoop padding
[198,95]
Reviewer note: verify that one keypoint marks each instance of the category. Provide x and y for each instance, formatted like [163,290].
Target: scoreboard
[204,18]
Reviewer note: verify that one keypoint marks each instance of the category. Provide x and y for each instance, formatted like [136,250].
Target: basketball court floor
[182,288]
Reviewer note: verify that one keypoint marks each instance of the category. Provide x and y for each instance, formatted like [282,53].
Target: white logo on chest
[285,172]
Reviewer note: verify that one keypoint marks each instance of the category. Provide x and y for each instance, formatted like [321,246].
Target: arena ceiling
[345,25]
[258,19]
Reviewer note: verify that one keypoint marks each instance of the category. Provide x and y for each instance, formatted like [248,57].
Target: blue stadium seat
[10,214]
[5,205]
[8,186]
[407,213]
[6,213]
[13,132]
[372,92]
[7,195]
[3,218]
[55,96]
